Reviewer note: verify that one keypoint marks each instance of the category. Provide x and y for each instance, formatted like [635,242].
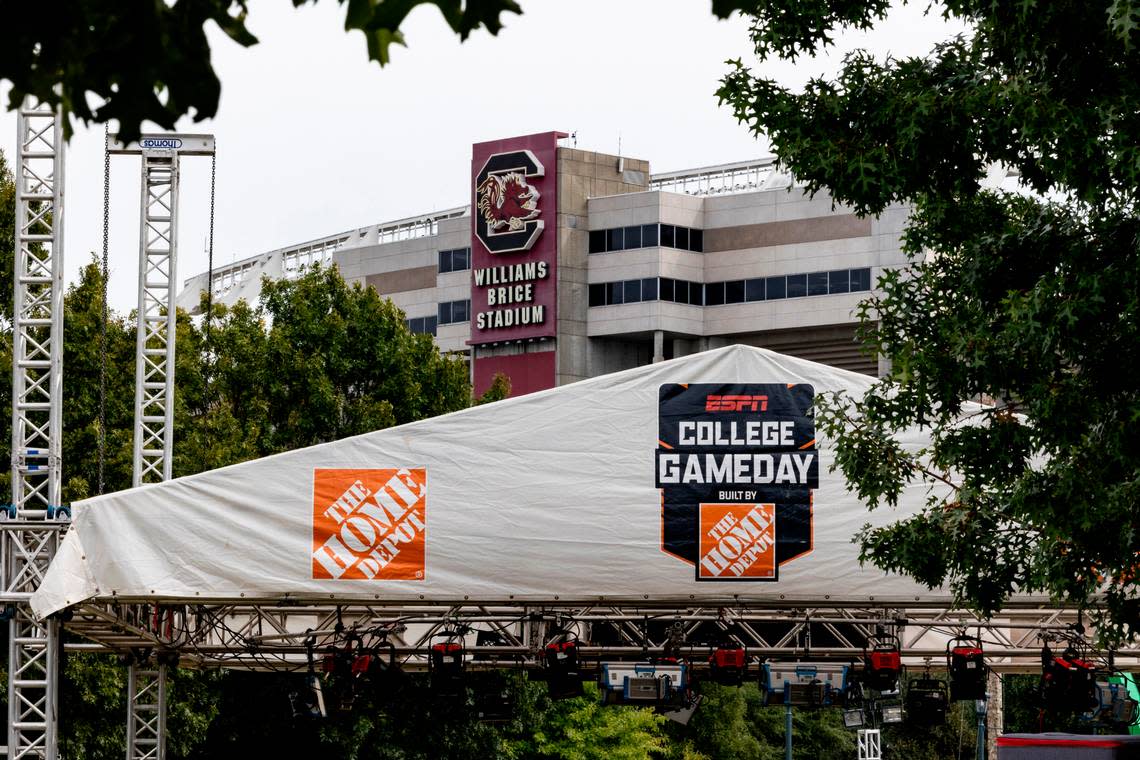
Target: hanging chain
[102,440]
[210,271]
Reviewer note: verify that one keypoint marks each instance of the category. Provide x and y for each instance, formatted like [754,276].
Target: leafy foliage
[151,61]
[1028,301]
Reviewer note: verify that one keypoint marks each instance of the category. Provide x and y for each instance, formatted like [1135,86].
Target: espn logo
[736,403]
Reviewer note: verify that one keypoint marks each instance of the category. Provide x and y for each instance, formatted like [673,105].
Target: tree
[1026,300]
[152,60]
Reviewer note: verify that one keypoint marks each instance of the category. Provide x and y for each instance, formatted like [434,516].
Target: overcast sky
[314,139]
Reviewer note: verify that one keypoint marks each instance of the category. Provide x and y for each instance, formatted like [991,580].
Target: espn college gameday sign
[514,250]
[736,465]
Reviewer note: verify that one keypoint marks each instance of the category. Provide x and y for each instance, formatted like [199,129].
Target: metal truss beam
[155,326]
[33,522]
[146,712]
[267,637]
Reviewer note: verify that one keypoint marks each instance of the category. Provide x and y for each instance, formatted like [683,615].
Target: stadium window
[649,289]
[460,259]
[817,284]
[667,235]
[597,241]
[714,293]
[775,288]
[697,240]
[797,285]
[667,289]
[860,280]
[734,291]
[429,325]
[598,294]
[754,289]
[633,237]
[614,293]
[632,291]
[839,281]
[682,238]
[614,239]
[649,235]
[444,261]
[451,312]
[696,294]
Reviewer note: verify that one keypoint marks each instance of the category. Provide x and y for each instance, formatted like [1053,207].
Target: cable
[102,433]
[210,270]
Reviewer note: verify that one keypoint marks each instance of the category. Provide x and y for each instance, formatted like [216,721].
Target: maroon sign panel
[514,241]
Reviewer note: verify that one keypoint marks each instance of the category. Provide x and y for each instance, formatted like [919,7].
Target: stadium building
[569,264]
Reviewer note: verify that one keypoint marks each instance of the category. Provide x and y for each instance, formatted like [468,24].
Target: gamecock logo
[506,200]
[506,204]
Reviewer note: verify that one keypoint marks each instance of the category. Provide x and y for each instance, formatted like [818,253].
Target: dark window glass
[667,235]
[734,291]
[444,313]
[649,289]
[682,241]
[817,284]
[697,240]
[860,280]
[597,241]
[648,235]
[838,281]
[632,291]
[754,289]
[411,325]
[444,261]
[614,293]
[460,259]
[797,285]
[633,237]
[614,239]
[429,325]
[696,293]
[714,293]
[598,294]
[775,287]
[460,311]
[667,289]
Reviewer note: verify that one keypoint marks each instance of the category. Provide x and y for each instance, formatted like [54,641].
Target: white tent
[550,496]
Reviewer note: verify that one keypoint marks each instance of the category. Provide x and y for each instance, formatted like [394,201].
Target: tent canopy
[700,479]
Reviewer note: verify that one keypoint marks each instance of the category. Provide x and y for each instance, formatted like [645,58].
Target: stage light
[892,712]
[854,717]
[728,664]
[926,701]
[883,663]
[966,664]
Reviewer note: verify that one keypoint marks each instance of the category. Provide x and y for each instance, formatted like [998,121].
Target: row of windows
[454,260]
[647,236]
[732,291]
[422,325]
[455,311]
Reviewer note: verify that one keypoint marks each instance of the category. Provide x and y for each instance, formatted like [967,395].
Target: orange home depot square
[369,524]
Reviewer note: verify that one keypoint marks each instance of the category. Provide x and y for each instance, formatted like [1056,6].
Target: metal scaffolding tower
[34,522]
[146,712]
[158,257]
[154,381]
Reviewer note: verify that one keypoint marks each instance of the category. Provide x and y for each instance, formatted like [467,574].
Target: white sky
[314,139]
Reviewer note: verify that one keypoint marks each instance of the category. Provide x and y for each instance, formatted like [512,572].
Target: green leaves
[1028,302]
[150,61]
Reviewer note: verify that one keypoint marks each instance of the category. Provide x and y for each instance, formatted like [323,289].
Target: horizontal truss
[267,637]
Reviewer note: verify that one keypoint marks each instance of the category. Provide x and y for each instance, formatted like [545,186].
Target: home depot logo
[737,541]
[369,524]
